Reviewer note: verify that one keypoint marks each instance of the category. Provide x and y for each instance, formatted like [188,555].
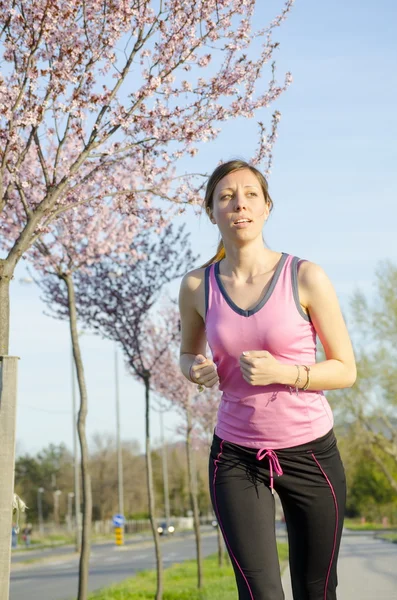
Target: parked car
[162,529]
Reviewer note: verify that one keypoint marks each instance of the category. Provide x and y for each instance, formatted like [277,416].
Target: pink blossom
[61,122]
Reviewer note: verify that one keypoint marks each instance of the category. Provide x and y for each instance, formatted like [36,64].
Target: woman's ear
[210,215]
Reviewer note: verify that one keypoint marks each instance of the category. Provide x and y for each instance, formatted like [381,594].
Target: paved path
[367,569]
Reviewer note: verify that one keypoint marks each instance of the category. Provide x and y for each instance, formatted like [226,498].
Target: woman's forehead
[244,177]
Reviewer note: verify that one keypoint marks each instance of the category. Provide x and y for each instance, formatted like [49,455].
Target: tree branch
[42,159]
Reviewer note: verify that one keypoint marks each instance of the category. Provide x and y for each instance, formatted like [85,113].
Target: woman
[260,312]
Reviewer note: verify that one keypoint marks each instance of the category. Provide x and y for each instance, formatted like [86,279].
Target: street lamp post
[40,491]
[115,275]
[119,447]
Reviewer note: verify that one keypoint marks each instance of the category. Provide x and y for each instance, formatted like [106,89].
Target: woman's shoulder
[193,282]
[311,277]
[192,291]
[193,279]
[309,271]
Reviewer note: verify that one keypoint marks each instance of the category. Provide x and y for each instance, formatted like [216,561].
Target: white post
[8,409]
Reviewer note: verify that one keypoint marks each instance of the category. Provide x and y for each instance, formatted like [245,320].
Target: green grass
[356,525]
[392,537]
[29,561]
[180,582]
[58,540]
[48,541]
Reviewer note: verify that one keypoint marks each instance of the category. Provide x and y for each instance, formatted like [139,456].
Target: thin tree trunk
[81,423]
[5,278]
[152,511]
[193,496]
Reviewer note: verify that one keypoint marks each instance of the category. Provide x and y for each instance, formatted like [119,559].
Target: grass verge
[390,537]
[57,541]
[356,525]
[180,582]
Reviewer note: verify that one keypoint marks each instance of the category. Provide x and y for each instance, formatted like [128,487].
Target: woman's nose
[239,200]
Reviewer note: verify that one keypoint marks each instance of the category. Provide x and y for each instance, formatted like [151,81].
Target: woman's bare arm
[319,296]
[193,338]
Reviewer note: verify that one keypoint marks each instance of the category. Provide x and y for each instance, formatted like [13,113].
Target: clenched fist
[203,371]
[259,367]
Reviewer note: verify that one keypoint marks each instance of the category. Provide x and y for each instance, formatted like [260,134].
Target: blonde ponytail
[220,253]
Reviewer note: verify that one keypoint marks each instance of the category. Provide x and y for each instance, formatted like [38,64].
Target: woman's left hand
[259,367]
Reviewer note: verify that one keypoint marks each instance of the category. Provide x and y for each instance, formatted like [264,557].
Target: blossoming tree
[86,86]
[121,308]
[75,243]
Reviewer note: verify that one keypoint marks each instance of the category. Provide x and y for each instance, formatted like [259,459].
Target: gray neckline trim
[261,304]
[207,287]
[295,290]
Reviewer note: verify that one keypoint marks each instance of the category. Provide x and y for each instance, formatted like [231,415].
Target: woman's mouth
[242,223]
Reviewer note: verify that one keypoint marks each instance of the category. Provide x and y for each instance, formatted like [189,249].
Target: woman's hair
[220,172]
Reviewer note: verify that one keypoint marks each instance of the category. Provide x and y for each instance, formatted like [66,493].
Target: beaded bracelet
[297,381]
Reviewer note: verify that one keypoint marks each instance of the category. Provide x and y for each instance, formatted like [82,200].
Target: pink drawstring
[273,463]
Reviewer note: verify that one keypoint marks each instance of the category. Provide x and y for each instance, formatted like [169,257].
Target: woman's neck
[245,263]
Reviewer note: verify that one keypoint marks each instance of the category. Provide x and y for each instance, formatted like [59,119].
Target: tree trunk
[8,407]
[5,277]
[152,511]
[81,423]
[8,394]
[193,497]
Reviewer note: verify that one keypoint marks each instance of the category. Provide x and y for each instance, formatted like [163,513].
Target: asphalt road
[367,569]
[57,580]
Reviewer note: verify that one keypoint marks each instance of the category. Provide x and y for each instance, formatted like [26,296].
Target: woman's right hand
[203,371]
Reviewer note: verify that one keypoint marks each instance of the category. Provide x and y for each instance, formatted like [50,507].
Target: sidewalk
[367,570]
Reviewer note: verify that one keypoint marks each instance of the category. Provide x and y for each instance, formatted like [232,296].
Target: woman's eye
[229,195]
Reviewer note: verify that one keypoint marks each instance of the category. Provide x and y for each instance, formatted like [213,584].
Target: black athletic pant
[312,490]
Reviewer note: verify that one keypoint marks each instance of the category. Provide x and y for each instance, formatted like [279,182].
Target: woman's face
[239,208]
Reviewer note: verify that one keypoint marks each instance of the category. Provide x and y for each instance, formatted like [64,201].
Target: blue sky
[333,184]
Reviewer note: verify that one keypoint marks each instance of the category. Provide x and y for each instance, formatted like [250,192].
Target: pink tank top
[268,416]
